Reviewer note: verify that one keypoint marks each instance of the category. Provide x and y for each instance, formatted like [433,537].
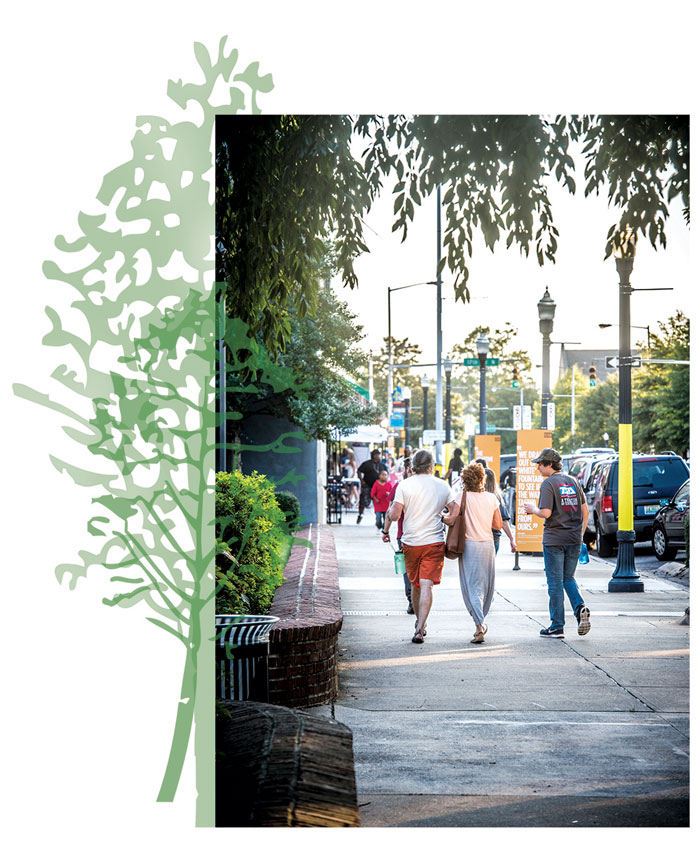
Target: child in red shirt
[381,492]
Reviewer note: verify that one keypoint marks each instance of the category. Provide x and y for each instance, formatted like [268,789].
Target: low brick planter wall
[303,666]
[281,767]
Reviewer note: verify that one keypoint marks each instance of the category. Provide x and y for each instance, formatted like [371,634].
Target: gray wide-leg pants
[477,571]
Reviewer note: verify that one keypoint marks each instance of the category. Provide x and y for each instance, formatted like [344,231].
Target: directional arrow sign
[614,362]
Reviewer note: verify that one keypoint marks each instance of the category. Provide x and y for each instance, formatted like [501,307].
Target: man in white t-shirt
[421,498]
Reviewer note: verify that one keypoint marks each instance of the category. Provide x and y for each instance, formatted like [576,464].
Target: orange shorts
[424,562]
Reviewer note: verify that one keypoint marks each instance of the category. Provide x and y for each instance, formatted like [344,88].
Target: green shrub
[289,505]
[251,543]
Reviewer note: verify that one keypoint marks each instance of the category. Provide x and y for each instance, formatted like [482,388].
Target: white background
[90,691]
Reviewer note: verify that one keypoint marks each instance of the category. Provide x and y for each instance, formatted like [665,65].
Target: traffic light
[516,378]
[591,376]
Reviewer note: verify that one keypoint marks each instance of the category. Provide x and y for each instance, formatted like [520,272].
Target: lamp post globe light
[482,351]
[625,577]
[447,365]
[425,383]
[546,308]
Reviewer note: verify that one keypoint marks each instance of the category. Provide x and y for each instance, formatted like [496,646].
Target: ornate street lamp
[625,577]
[545,308]
[425,383]
[482,351]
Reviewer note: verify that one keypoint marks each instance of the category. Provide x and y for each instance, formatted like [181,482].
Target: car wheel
[659,542]
[604,545]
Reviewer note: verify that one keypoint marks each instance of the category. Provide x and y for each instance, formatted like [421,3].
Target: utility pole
[438,394]
[389,374]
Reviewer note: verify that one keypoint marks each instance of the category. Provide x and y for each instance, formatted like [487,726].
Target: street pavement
[583,731]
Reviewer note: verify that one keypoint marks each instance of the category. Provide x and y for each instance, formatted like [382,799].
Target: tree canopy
[284,183]
[660,399]
[307,382]
[661,392]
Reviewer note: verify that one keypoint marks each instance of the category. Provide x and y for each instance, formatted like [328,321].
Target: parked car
[668,530]
[508,481]
[582,466]
[507,460]
[566,461]
[655,479]
[596,469]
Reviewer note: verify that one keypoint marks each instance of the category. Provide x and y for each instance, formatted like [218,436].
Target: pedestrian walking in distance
[368,473]
[563,507]
[399,533]
[421,499]
[491,485]
[381,491]
[477,565]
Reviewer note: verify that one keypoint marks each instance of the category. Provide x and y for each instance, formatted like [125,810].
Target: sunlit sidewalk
[516,716]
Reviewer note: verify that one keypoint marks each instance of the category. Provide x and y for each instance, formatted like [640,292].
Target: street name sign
[475,361]
[613,362]
[431,435]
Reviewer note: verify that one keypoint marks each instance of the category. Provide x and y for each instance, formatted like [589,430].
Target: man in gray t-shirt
[563,507]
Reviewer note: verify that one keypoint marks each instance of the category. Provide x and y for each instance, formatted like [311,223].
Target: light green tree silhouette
[145,366]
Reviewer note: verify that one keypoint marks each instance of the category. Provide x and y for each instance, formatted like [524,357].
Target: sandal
[417,639]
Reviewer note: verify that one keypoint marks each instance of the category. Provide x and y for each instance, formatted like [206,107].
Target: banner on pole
[529,528]
[488,446]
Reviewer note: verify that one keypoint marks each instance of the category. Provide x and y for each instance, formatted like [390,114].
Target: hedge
[252,543]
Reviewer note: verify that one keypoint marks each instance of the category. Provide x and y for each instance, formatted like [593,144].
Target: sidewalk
[586,730]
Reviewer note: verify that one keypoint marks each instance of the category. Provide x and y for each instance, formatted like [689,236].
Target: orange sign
[488,446]
[529,528]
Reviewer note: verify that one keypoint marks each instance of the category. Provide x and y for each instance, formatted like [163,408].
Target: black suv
[655,478]
[668,530]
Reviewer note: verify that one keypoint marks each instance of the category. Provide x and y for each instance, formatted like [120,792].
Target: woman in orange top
[477,566]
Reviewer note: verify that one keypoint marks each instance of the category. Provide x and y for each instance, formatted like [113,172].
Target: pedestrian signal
[592,376]
[516,378]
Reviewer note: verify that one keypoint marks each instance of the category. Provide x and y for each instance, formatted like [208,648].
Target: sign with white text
[529,528]
[550,415]
[488,446]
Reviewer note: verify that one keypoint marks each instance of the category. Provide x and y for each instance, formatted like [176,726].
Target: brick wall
[303,662]
[278,767]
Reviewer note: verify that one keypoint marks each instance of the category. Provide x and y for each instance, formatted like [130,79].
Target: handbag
[457,533]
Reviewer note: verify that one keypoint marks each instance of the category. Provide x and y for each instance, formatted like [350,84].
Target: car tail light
[607,504]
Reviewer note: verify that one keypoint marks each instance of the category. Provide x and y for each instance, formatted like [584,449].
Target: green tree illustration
[144,365]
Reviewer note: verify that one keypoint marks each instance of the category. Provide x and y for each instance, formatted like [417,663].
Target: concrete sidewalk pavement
[519,731]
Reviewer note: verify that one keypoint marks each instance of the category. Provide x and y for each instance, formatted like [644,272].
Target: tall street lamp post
[390,363]
[406,393]
[625,577]
[425,383]
[482,351]
[546,307]
[448,410]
